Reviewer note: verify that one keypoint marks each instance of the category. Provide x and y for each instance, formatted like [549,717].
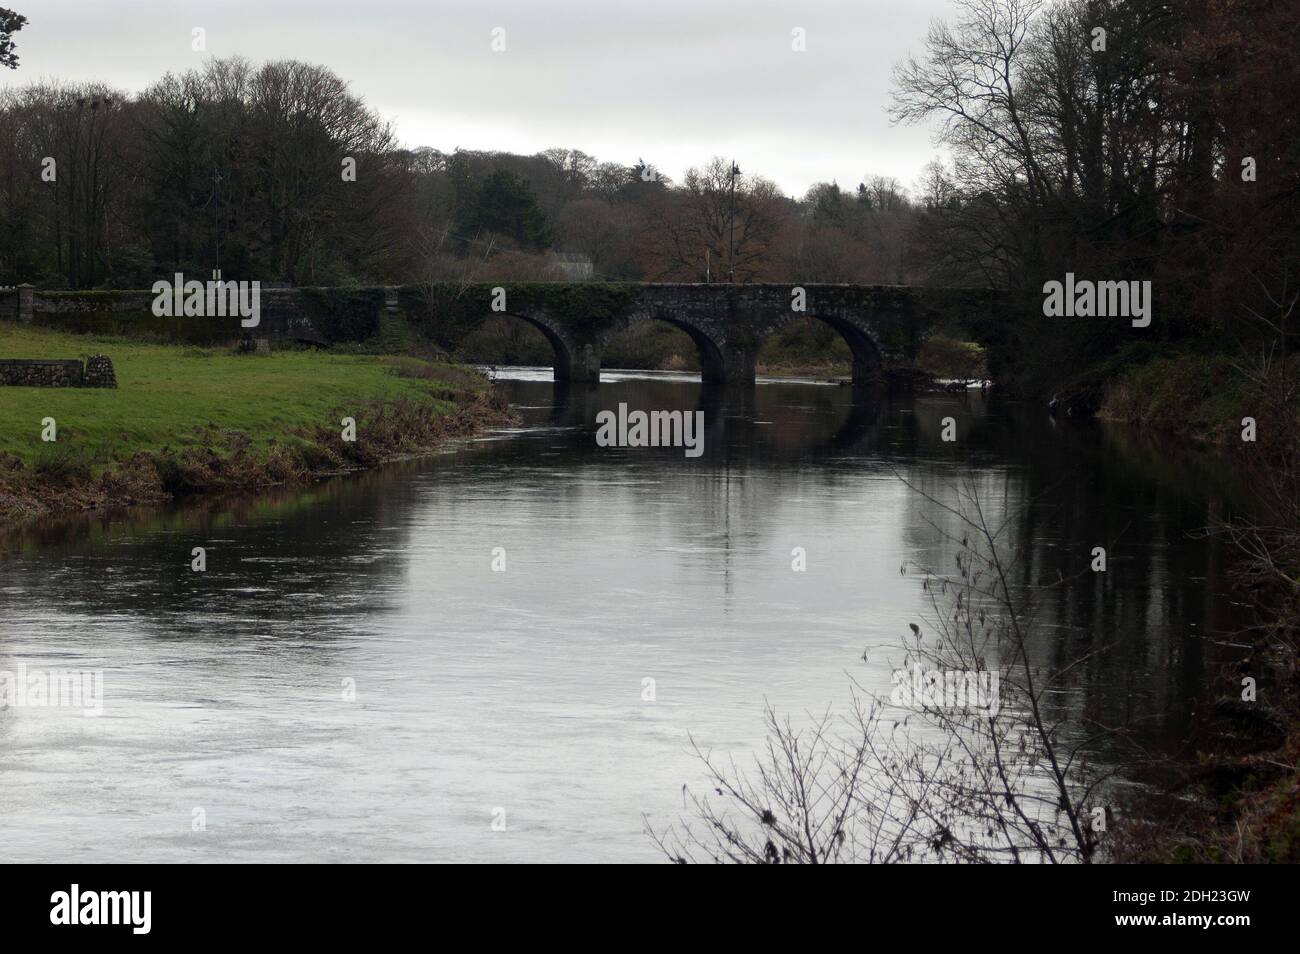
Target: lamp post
[731,255]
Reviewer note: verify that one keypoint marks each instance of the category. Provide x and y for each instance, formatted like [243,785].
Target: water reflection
[478,690]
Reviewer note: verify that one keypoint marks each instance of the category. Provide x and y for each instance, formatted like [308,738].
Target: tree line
[278,172]
[1119,140]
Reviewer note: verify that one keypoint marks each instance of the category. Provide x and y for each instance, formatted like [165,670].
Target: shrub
[61,464]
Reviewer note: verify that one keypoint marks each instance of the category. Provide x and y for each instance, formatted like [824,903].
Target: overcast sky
[670,81]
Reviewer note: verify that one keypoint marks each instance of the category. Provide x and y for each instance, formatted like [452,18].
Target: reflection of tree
[1063,492]
[978,772]
[270,559]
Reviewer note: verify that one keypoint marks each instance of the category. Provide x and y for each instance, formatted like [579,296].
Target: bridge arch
[570,358]
[563,354]
[713,367]
[857,331]
[862,342]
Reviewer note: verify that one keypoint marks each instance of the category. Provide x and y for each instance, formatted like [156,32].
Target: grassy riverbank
[189,420]
[1185,392]
[1202,396]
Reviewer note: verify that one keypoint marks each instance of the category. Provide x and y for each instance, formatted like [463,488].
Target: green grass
[1200,395]
[166,394]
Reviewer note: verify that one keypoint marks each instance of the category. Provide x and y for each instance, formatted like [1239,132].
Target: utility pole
[731,257]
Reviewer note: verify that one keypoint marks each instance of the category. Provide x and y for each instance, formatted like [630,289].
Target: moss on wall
[142,326]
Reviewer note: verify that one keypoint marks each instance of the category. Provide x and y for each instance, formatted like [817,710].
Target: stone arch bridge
[884,325]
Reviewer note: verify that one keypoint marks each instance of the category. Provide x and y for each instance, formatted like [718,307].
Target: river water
[351,679]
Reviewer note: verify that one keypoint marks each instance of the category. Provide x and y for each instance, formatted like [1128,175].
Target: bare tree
[694,232]
[1269,539]
[969,759]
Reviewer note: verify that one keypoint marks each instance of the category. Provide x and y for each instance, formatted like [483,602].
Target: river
[352,680]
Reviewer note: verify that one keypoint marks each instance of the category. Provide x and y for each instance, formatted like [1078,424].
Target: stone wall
[98,372]
[16,303]
[314,315]
[41,374]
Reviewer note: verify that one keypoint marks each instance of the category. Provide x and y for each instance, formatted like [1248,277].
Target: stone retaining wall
[45,373]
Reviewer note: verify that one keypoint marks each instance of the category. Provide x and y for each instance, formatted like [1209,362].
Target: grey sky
[671,81]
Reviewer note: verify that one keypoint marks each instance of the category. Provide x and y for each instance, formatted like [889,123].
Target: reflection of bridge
[884,325]
[844,423]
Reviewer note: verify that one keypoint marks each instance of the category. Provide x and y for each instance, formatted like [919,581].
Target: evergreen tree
[10,23]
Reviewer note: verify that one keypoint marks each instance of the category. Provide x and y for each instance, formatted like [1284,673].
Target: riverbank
[187,420]
[1234,797]
[1189,393]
